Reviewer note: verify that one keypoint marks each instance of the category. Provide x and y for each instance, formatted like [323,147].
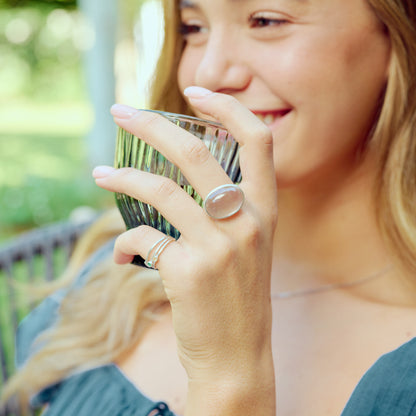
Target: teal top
[387,389]
[103,391]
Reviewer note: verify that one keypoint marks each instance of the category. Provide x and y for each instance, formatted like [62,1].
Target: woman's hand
[217,274]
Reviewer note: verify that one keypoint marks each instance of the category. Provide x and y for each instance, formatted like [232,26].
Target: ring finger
[152,245]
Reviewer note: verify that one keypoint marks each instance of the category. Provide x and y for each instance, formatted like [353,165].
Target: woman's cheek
[186,69]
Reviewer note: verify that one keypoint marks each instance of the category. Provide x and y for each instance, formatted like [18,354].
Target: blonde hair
[395,134]
[97,322]
[88,336]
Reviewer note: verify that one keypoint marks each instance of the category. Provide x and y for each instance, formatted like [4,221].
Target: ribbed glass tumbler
[133,152]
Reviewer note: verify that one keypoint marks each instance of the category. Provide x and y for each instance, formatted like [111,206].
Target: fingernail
[102,171]
[123,111]
[197,92]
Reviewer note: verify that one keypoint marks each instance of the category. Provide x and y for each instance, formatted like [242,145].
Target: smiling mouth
[269,117]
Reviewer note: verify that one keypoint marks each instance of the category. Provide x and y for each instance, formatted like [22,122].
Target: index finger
[254,137]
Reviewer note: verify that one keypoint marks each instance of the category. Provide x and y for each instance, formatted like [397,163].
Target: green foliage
[34,3]
[41,53]
[44,116]
[42,201]
[43,178]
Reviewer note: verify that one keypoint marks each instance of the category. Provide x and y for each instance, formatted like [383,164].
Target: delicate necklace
[328,287]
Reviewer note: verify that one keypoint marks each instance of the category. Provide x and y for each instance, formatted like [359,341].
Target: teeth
[267,119]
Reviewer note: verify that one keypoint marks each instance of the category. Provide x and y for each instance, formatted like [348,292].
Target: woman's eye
[259,20]
[188,29]
[191,29]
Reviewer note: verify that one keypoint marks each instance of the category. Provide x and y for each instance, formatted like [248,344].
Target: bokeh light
[18,30]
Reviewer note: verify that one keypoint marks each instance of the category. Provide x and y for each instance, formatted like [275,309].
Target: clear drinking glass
[133,152]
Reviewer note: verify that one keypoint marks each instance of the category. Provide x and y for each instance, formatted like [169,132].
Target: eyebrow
[189,4]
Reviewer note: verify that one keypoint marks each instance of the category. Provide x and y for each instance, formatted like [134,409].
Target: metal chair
[36,256]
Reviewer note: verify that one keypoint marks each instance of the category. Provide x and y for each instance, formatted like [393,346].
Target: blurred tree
[103,19]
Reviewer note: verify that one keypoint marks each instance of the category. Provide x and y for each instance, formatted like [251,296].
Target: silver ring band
[156,250]
[224,201]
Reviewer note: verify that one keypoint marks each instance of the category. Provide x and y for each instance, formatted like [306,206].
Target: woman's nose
[221,68]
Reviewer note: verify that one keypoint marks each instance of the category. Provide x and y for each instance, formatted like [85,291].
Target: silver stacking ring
[156,250]
[224,201]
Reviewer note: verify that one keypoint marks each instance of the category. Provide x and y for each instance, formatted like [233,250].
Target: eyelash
[260,21]
[186,30]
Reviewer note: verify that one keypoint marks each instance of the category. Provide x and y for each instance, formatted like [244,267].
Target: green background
[45,116]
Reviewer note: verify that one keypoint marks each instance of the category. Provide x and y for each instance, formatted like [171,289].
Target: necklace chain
[331,286]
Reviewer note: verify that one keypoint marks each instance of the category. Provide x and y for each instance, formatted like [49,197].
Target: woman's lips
[269,117]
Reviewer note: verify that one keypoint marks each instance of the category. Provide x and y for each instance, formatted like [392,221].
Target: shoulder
[102,391]
[388,387]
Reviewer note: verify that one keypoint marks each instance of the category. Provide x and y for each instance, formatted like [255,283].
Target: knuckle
[253,231]
[273,217]
[166,188]
[119,242]
[264,134]
[129,238]
[125,177]
[269,215]
[223,102]
[196,152]
[227,103]
[226,250]
[147,119]
[123,244]
[127,172]
[142,233]
[228,100]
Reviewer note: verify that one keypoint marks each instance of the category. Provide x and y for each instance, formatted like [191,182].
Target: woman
[269,315]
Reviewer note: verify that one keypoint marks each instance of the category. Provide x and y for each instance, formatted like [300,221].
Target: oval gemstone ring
[224,201]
